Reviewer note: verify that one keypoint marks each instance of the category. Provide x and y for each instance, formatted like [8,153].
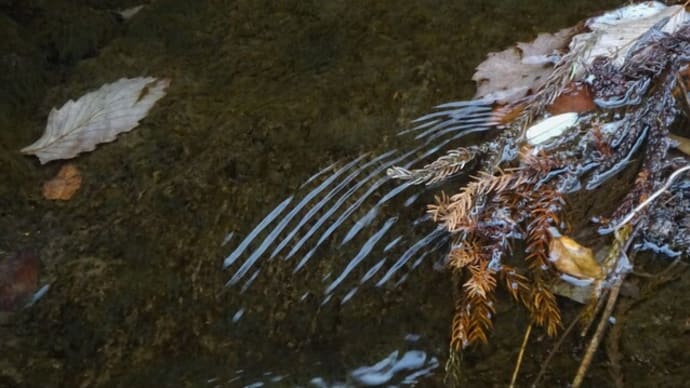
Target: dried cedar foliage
[632,98]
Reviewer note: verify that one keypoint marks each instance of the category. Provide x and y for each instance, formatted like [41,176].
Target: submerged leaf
[682,143]
[18,279]
[64,185]
[573,259]
[575,97]
[97,117]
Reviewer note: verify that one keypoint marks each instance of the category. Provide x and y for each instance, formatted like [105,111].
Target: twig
[518,363]
[554,350]
[613,339]
[589,315]
[624,238]
[598,334]
[651,198]
[613,345]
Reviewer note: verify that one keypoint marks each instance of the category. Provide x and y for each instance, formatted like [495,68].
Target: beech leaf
[97,117]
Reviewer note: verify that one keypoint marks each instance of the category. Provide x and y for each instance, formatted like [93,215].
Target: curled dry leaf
[547,129]
[97,117]
[516,72]
[573,259]
[64,185]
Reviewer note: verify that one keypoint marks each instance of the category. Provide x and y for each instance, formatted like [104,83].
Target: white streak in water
[366,249]
[323,201]
[405,257]
[279,228]
[247,240]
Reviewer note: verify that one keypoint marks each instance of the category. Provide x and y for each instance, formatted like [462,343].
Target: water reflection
[400,368]
[350,204]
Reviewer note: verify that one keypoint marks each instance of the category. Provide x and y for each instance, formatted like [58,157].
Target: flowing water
[245,234]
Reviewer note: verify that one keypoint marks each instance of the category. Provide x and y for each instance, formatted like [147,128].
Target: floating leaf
[515,72]
[97,117]
[64,185]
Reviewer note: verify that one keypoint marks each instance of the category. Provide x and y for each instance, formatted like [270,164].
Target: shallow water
[263,96]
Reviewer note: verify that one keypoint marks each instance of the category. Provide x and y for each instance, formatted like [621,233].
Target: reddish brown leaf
[18,279]
[576,97]
[64,185]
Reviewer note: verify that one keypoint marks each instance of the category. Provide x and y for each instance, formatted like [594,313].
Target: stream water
[263,96]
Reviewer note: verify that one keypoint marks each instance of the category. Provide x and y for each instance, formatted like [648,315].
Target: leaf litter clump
[565,114]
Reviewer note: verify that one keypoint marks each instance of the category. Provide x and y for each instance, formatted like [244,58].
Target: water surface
[264,94]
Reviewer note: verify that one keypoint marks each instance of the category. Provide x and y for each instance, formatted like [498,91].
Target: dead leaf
[18,279]
[128,13]
[575,97]
[513,73]
[97,117]
[573,259]
[64,185]
[518,71]
[682,143]
[613,34]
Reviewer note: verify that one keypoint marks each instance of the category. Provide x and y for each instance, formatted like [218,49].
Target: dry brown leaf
[575,97]
[64,185]
[573,259]
[515,72]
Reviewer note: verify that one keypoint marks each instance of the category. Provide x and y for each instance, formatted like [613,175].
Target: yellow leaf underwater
[574,259]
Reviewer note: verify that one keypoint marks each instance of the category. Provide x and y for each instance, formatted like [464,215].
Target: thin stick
[651,198]
[555,348]
[590,318]
[518,363]
[598,334]
[621,245]
[613,345]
